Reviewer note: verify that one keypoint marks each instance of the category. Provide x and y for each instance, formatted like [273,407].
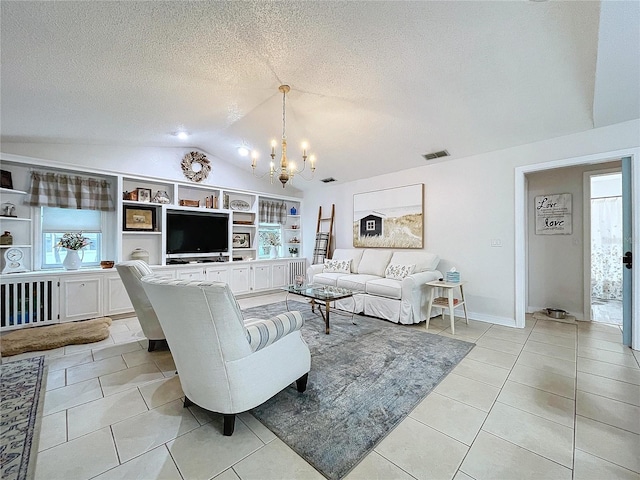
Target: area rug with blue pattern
[22,384]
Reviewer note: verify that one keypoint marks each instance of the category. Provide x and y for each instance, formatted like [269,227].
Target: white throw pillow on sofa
[398,272]
[348,254]
[374,262]
[337,266]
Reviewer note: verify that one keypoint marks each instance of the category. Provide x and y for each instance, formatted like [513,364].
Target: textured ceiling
[374,84]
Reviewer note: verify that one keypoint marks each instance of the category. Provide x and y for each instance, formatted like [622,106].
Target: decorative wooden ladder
[322,248]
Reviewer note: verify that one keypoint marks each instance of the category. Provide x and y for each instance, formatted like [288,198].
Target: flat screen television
[197,232]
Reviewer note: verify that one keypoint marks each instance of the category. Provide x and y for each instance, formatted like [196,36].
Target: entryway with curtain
[606,247]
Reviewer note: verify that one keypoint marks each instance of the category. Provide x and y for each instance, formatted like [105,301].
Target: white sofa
[392,282]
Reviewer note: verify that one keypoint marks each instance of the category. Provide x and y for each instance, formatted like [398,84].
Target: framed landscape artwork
[389,218]
[241,240]
[139,218]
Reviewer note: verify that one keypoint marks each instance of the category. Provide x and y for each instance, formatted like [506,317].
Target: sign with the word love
[553,214]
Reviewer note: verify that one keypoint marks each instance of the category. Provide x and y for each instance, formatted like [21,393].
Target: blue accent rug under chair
[364,380]
[22,385]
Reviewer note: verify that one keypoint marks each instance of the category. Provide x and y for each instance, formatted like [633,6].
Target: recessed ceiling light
[182,135]
[243,151]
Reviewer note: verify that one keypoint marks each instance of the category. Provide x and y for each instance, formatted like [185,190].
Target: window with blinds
[55,222]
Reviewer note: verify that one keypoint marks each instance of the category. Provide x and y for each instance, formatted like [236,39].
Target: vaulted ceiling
[374,85]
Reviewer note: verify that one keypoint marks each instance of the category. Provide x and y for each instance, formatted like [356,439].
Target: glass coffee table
[320,295]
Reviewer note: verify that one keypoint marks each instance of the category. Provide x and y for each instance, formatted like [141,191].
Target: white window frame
[38,232]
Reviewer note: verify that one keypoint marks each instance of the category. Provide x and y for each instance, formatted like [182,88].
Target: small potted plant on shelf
[293,251]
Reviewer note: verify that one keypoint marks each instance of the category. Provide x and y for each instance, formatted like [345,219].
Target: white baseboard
[483,317]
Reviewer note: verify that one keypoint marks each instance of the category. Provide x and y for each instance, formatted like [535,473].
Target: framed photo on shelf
[132,195]
[139,219]
[144,194]
[241,240]
[7,182]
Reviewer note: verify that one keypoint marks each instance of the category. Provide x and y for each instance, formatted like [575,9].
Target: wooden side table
[447,302]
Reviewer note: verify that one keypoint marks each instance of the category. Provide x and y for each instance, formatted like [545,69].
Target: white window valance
[69,191]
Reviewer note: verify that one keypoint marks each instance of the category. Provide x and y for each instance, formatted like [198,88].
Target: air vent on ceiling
[434,155]
[328,180]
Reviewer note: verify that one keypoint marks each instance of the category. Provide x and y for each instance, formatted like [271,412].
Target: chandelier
[287,169]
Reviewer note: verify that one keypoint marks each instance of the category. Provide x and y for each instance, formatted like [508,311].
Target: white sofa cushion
[355,281]
[352,254]
[385,287]
[423,261]
[397,271]
[337,266]
[330,279]
[374,262]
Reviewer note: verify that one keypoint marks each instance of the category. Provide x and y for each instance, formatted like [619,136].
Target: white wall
[161,162]
[556,262]
[469,202]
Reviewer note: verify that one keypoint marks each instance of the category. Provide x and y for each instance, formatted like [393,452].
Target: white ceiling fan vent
[328,180]
[434,155]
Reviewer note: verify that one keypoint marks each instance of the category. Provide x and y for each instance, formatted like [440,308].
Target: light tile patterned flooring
[549,401]
[606,311]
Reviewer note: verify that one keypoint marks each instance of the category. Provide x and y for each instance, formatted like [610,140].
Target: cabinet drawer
[217,275]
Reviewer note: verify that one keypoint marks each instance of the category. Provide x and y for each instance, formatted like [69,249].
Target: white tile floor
[549,401]
[606,311]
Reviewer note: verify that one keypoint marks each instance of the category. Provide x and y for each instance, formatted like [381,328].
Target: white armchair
[131,272]
[225,365]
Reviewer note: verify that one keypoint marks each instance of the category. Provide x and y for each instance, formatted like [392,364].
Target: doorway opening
[606,247]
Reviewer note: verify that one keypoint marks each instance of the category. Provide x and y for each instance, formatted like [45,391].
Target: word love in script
[545,204]
[554,222]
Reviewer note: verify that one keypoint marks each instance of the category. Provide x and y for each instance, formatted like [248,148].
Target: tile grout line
[609,461]
[176,463]
[608,398]
[395,464]
[492,405]
[485,333]
[535,414]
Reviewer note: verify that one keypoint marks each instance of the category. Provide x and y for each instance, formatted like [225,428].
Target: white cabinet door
[116,299]
[190,273]
[81,297]
[217,274]
[278,275]
[165,272]
[262,277]
[240,279]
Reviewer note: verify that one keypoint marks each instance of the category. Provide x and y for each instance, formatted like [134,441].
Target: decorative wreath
[187,166]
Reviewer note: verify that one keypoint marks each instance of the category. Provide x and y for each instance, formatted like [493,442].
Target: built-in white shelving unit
[19,226]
